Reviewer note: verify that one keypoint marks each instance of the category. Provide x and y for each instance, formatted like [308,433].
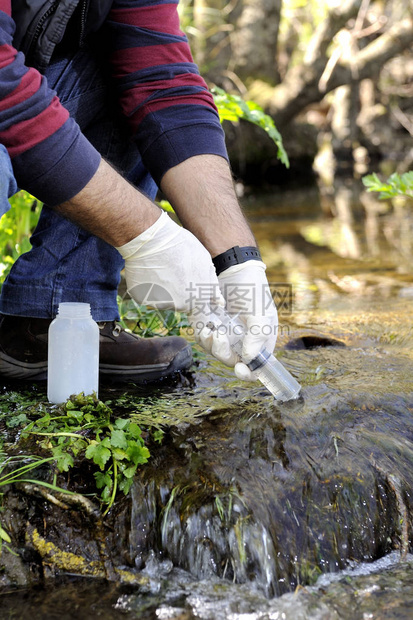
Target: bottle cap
[74,310]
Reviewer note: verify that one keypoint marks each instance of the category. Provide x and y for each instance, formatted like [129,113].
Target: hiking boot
[122,356]
[127,357]
[23,347]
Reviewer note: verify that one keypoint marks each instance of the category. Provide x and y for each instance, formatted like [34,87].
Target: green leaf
[134,430]
[4,535]
[137,454]
[118,439]
[64,460]
[122,423]
[129,472]
[102,479]
[396,185]
[119,454]
[106,493]
[158,435]
[125,485]
[233,108]
[77,415]
[371,180]
[17,420]
[98,453]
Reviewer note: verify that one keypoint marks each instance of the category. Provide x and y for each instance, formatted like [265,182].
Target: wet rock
[383,591]
[17,570]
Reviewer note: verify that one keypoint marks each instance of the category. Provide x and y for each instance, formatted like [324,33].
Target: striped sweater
[171,113]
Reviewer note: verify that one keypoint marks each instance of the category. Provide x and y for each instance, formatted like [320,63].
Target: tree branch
[324,34]
[370,60]
[301,85]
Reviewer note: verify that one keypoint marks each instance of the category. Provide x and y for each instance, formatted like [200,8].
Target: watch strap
[235,256]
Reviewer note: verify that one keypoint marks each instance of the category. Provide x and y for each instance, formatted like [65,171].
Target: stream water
[294,512]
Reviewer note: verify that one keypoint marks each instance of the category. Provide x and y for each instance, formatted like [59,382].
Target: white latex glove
[245,288]
[246,293]
[168,268]
[212,336]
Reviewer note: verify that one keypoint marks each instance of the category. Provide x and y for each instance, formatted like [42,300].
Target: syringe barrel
[277,379]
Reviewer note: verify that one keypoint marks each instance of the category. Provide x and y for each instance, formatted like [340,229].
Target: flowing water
[252,510]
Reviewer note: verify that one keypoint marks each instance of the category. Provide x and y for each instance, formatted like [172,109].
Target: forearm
[110,208]
[201,191]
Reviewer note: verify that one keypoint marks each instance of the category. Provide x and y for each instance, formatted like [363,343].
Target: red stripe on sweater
[29,84]
[136,58]
[161,18]
[7,55]
[5,5]
[136,95]
[25,135]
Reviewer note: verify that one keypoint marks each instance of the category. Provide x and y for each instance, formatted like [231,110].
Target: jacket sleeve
[171,112]
[51,158]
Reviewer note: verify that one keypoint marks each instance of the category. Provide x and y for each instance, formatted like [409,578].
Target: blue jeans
[8,185]
[66,263]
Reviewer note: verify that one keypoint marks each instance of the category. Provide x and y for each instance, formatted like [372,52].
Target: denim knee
[8,185]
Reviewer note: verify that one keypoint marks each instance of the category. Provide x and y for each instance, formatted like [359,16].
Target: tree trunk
[345,131]
[210,38]
[255,39]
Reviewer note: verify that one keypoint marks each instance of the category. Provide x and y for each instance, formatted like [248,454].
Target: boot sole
[151,372]
[11,368]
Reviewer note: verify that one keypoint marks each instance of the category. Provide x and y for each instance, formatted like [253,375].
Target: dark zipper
[40,23]
[83,13]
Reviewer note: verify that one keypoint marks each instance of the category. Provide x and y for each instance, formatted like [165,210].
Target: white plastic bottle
[73,353]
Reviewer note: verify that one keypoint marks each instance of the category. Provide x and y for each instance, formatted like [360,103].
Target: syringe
[265,366]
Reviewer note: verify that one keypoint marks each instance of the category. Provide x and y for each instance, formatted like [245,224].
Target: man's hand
[167,267]
[247,294]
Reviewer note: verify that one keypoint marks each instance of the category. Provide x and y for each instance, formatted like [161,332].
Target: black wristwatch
[235,256]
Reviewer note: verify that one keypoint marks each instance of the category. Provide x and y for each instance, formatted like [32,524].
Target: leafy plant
[233,108]
[66,431]
[396,185]
[85,426]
